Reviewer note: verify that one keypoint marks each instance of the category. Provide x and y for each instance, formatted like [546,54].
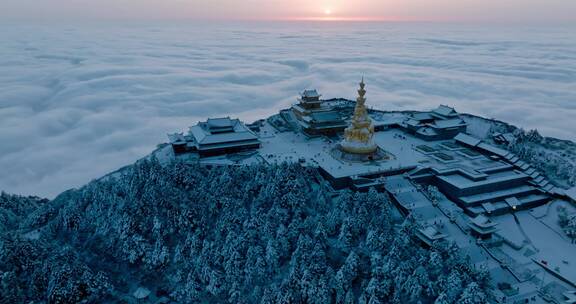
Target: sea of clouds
[77,102]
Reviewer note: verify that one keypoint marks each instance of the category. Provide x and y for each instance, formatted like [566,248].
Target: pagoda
[358,137]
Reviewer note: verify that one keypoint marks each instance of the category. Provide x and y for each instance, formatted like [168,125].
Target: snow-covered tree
[250,234]
[473,294]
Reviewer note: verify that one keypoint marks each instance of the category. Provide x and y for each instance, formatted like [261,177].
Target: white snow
[141,293]
[32,235]
[571,193]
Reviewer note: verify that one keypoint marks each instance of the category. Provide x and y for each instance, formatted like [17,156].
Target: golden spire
[358,136]
[361,92]
[361,118]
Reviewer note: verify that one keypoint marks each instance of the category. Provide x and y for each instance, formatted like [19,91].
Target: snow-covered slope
[251,234]
[554,157]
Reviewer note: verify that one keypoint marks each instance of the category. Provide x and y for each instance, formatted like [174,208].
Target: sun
[327,12]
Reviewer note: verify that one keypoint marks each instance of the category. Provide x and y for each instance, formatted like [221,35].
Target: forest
[181,233]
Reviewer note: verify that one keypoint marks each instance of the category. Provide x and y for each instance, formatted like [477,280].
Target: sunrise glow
[264,10]
[332,17]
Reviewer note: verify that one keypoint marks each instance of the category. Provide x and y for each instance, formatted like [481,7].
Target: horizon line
[316,19]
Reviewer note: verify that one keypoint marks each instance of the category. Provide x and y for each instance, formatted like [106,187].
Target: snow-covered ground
[534,255]
[554,157]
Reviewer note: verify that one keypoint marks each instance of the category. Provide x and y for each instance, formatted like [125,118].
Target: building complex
[459,187]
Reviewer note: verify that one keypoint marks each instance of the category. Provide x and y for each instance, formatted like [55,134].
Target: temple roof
[449,123]
[445,111]
[310,93]
[220,122]
[483,222]
[328,116]
[422,116]
[177,138]
[427,131]
[221,130]
[432,233]
[467,139]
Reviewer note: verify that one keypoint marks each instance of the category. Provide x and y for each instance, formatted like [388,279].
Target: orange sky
[442,10]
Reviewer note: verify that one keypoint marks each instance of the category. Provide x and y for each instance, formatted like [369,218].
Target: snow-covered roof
[467,139]
[210,132]
[449,123]
[422,116]
[483,221]
[489,207]
[327,116]
[412,122]
[463,180]
[445,111]
[310,93]
[177,138]
[513,202]
[492,149]
[427,131]
[198,133]
[432,233]
[224,122]
[388,120]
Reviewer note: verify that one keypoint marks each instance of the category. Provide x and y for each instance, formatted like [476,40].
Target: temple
[216,136]
[447,171]
[482,227]
[429,235]
[316,117]
[441,123]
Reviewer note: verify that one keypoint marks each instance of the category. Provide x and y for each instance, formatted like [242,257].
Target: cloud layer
[78,102]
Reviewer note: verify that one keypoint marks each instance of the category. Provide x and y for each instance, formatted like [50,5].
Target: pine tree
[472,294]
